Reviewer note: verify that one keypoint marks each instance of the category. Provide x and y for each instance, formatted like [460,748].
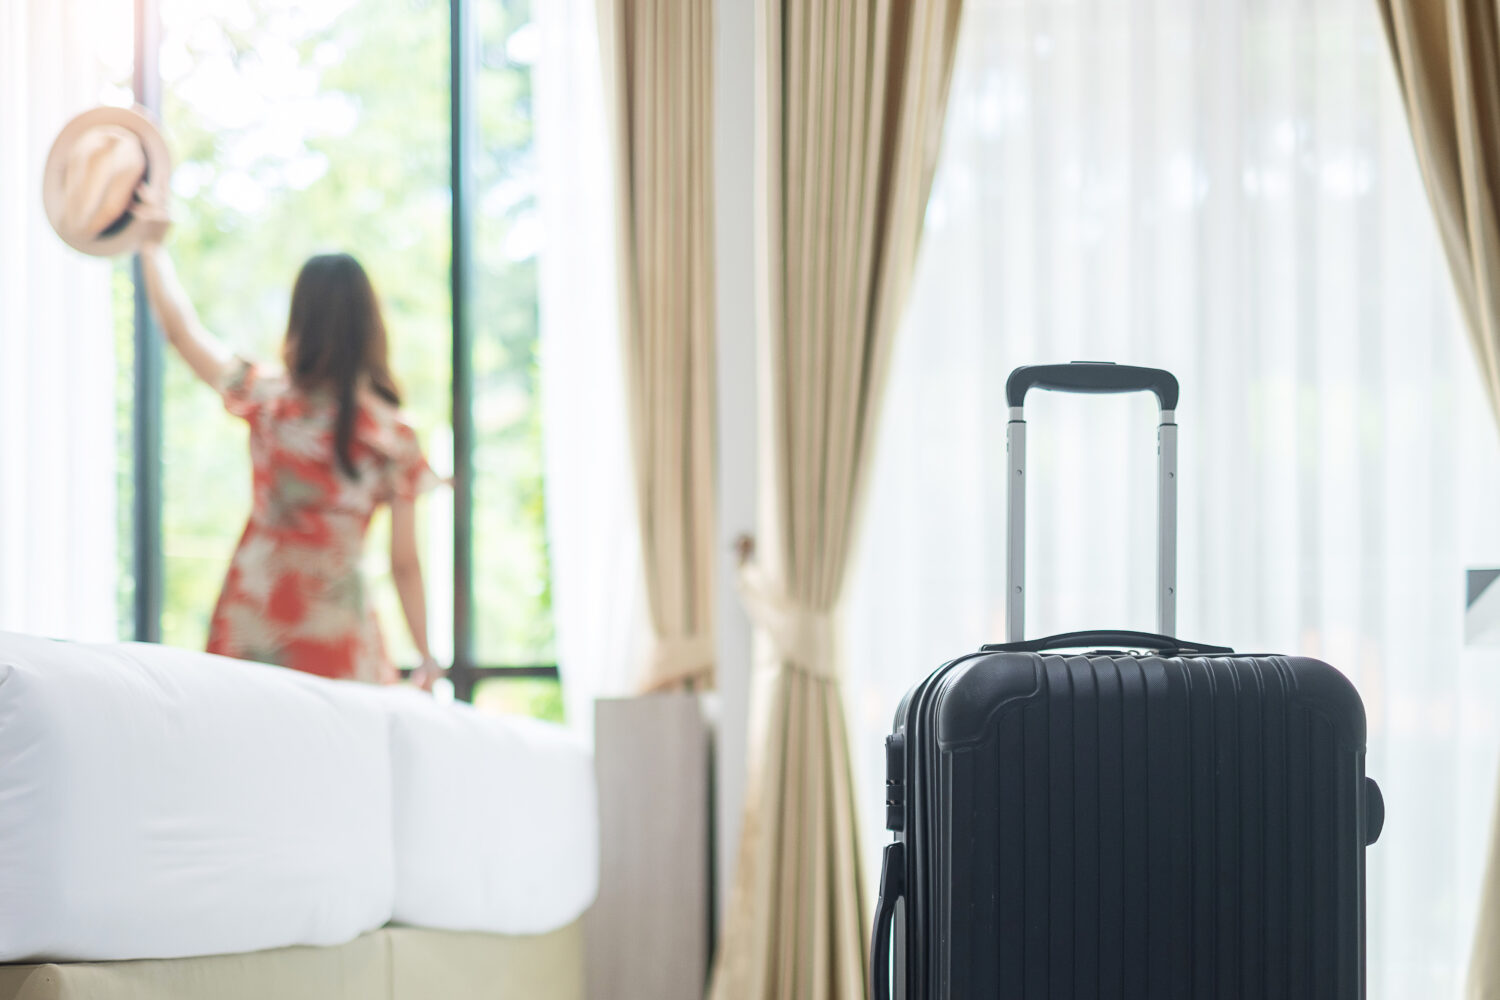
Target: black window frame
[146,433]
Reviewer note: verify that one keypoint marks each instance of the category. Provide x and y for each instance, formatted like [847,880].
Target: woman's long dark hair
[335,337]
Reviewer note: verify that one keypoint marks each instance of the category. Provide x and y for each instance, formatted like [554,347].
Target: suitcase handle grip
[1092,377]
[1107,637]
[892,888]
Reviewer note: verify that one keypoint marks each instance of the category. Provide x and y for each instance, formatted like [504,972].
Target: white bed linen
[159,803]
[496,824]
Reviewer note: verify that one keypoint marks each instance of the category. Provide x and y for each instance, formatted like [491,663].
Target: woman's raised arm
[206,356]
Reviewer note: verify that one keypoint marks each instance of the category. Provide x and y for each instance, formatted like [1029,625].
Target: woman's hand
[427,673]
[150,213]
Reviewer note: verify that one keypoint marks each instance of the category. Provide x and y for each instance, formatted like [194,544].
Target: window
[300,127]
[513,595]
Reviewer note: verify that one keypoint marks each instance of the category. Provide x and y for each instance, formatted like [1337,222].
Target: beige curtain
[658,75]
[1447,58]
[851,103]
[1484,966]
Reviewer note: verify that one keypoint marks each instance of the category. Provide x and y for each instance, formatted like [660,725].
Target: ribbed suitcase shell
[1134,826]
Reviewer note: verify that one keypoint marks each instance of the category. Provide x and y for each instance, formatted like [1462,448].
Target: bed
[174,824]
[388,964]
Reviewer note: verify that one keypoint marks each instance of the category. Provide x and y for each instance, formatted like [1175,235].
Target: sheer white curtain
[58,562]
[597,589]
[1227,191]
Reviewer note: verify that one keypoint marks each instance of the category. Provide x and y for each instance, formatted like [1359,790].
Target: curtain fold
[1484,965]
[1447,59]
[59,567]
[850,114]
[657,57]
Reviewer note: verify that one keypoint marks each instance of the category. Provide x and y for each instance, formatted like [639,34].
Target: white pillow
[159,803]
[496,819]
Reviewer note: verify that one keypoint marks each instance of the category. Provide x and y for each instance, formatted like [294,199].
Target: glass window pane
[538,697]
[513,598]
[301,126]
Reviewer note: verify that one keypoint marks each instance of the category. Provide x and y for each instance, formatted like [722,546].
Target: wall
[734,148]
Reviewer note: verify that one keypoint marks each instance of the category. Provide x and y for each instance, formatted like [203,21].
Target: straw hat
[105,183]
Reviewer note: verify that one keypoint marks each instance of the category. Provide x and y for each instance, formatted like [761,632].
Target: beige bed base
[393,963]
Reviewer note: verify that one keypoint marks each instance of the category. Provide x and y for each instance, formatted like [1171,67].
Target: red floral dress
[295,594]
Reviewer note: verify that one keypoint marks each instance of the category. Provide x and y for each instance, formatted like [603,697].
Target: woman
[327,446]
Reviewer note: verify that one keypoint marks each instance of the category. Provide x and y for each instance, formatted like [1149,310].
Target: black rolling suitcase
[1160,819]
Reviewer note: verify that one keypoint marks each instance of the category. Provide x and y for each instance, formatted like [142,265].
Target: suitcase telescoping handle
[1091,377]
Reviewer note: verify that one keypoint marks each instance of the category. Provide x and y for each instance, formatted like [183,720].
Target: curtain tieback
[680,661]
[805,636]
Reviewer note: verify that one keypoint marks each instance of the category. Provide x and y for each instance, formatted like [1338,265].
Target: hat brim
[126,237]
